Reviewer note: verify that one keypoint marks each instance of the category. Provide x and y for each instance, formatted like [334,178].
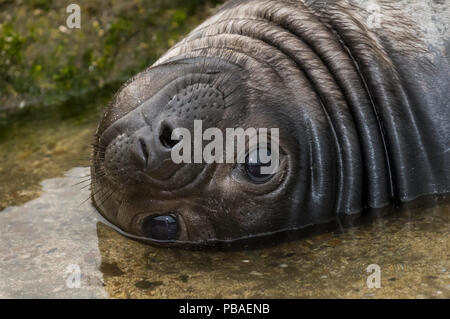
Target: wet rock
[184,278]
[148,285]
[47,240]
[110,269]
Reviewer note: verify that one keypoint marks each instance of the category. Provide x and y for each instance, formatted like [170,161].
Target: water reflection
[41,238]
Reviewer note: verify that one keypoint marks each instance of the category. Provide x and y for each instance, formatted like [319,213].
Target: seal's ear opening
[161,227]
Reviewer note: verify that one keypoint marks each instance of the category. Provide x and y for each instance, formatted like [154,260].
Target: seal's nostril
[161,227]
[144,149]
[166,136]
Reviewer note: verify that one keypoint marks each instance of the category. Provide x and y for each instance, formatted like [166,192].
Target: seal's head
[310,69]
[138,186]
[282,68]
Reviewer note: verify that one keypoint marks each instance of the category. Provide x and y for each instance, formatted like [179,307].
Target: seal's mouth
[163,225]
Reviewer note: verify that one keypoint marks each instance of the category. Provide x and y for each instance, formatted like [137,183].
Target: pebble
[255,273]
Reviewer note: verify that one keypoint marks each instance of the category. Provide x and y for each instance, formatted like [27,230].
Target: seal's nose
[165,136]
[152,151]
[138,146]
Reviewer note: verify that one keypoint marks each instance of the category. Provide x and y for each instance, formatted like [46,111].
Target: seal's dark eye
[162,227]
[253,166]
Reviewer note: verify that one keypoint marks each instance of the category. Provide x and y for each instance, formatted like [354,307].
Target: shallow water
[48,227]
[40,239]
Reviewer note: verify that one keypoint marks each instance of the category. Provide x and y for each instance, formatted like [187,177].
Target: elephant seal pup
[360,97]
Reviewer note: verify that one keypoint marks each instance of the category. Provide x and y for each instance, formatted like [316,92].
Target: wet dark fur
[374,147]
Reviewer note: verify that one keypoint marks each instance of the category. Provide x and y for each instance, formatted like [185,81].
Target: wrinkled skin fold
[363,115]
